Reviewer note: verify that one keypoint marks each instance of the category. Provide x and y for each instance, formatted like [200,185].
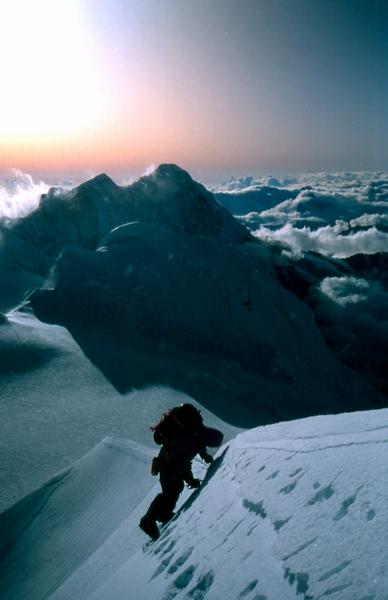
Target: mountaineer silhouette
[182,435]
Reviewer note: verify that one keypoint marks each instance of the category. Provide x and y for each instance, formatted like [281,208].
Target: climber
[182,435]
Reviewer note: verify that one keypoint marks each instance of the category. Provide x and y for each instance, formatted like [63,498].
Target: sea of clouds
[334,214]
[339,216]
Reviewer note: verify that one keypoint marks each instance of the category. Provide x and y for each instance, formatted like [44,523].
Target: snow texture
[292,510]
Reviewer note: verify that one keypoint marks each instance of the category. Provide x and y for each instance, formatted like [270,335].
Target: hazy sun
[53,83]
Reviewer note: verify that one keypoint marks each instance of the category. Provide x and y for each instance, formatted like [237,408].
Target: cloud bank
[20,195]
[352,184]
[337,214]
[330,241]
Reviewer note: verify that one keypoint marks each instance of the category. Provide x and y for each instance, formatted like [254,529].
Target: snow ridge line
[121,444]
[319,449]
[46,494]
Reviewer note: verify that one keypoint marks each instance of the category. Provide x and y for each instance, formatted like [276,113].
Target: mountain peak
[101,181]
[172,172]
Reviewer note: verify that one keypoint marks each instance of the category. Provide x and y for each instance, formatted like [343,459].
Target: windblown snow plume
[20,195]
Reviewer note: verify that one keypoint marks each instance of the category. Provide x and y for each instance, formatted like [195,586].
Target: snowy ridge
[56,405]
[83,216]
[54,530]
[292,510]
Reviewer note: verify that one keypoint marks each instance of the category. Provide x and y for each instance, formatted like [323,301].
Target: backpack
[184,415]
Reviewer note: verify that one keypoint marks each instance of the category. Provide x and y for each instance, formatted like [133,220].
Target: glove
[207,458]
[193,483]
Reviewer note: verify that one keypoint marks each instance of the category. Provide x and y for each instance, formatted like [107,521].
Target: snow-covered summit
[171,198]
[83,216]
[293,510]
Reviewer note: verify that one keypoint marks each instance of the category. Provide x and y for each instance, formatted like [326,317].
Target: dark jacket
[180,444]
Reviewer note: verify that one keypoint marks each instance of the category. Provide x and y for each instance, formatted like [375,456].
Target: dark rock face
[370,265]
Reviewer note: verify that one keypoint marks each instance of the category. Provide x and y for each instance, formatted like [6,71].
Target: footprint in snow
[295,472]
[166,546]
[323,494]
[301,580]
[180,583]
[288,488]
[162,566]
[180,561]
[280,523]
[343,511]
[370,515]
[204,583]
[257,508]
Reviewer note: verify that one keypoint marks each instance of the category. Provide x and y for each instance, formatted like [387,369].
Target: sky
[217,86]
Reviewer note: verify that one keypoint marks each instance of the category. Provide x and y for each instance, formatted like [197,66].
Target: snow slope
[292,510]
[55,405]
[51,532]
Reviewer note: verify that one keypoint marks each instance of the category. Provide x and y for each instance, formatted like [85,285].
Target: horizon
[125,178]
[221,90]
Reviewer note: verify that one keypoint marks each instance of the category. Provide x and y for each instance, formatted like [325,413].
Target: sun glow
[53,83]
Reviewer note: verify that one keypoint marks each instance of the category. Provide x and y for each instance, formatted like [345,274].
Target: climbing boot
[149,527]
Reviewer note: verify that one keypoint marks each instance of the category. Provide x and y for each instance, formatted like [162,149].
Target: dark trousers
[163,504]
